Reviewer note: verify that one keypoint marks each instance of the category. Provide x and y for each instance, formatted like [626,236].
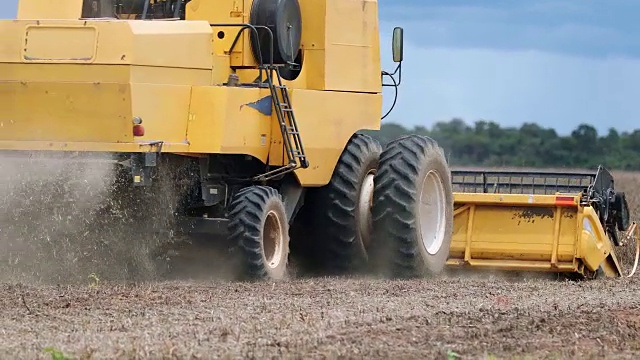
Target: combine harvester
[254,106]
[255,110]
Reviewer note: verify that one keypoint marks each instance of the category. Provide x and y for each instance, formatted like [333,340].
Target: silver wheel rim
[431,212]
[272,240]
[365,201]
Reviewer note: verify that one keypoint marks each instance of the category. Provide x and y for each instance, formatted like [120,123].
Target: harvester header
[564,222]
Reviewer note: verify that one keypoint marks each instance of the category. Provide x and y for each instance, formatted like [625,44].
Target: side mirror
[397,44]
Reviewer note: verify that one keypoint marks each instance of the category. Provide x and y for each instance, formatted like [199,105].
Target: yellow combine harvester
[539,221]
[251,110]
[256,107]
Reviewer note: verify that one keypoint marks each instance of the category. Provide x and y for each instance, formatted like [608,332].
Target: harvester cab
[250,111]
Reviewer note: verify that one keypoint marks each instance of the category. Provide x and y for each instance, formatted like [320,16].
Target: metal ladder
[288,127]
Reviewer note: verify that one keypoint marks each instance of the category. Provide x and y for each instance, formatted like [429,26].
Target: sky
[557,63]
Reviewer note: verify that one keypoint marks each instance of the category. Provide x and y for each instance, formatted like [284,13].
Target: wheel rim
[272,241]
[432,212]
[364,207]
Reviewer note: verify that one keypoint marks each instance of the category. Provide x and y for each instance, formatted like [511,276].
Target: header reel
[611,205]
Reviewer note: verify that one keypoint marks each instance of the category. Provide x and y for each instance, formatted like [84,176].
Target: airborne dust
[59,224]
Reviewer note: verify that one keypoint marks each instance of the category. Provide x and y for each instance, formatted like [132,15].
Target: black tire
[398,249]
[339,240]
[250,212]
[284,18]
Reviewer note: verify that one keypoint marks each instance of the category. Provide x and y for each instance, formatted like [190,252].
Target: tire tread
[394,248]
[245,214]
[336,223]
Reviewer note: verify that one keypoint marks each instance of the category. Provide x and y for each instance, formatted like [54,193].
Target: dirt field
[429,319]
[446,318]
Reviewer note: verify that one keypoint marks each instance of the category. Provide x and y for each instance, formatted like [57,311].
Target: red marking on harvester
[565,201]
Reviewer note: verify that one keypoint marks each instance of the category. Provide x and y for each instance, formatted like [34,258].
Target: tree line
[486,143]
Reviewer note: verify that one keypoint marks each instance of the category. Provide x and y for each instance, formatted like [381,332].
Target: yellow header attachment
[550,222]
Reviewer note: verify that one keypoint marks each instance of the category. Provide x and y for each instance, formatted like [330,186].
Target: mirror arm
[398,71]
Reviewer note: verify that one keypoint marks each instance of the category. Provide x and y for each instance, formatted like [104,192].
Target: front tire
[412,209]
[259,233]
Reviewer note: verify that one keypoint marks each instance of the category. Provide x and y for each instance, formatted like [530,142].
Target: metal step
[292,141]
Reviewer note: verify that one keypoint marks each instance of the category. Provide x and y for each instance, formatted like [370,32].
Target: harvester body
[253,108]
[90,77]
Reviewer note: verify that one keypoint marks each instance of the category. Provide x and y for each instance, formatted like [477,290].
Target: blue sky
[558,63]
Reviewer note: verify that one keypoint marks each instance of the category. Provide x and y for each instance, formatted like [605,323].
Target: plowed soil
[467,317]
[326,318]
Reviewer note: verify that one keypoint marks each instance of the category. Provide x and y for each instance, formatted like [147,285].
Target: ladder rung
[287,121]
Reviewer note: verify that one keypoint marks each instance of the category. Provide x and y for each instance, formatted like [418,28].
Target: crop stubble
[306,318]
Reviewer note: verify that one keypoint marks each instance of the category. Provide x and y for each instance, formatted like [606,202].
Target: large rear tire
[412,209]
[259,233]
[342,221]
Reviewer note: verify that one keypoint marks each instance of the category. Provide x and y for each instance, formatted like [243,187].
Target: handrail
[254,29]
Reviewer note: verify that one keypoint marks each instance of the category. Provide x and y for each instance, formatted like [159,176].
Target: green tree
[486,143]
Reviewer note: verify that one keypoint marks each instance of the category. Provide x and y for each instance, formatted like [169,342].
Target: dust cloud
[60,224]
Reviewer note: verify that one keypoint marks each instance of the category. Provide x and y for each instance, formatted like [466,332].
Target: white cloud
[512,87]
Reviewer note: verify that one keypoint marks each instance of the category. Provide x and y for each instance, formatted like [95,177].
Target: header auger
[251,110]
